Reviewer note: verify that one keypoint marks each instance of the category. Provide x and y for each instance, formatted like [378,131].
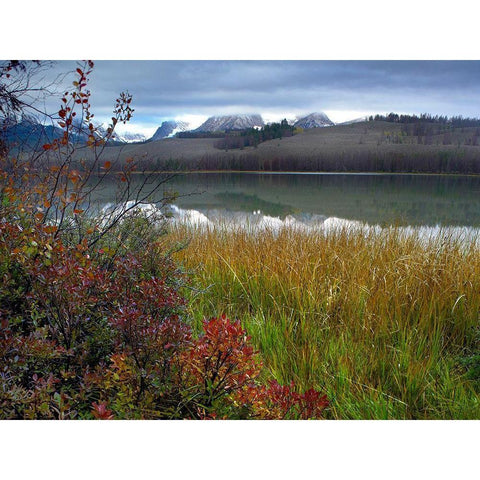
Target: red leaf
[101,412]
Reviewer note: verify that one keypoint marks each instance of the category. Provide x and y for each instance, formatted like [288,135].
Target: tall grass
[377,319]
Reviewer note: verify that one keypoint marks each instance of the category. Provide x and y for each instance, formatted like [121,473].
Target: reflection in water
[371,198]
[220,220]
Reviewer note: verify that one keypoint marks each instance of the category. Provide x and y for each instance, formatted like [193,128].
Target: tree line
[448,159]
[455,121]
[252,137]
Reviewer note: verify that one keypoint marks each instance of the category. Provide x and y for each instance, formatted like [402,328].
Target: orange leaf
[50,229]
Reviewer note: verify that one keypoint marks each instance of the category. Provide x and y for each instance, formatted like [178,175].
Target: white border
[247,29]
[239,449]
[370,29]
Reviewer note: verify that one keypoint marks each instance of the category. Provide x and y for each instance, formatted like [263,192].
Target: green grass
[379,321]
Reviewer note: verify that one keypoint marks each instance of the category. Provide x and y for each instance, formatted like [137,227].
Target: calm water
[375,199]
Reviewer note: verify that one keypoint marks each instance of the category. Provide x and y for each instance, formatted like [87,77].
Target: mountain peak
[355,120]
[231,122]
[169,128]
[314,120]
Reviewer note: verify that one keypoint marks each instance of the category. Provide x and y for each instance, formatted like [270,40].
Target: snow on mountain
[355,120]
[170,128]
[26,132]
[134,134]
[231,122]
[130,137]
[274,117]
[314,120]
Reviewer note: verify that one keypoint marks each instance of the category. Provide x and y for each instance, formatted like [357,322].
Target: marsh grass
[378,319]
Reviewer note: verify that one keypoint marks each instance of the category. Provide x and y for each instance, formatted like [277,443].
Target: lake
[381,199]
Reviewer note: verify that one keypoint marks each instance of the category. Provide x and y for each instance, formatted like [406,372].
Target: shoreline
[264,172]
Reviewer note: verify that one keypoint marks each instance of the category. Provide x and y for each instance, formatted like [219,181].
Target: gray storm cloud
[163,89]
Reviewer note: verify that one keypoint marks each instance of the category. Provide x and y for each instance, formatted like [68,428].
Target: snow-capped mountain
[270,118]
[169,128]
[122,136]
[314,120]
[231,122]
[355,120]
[130,137]
[26,132]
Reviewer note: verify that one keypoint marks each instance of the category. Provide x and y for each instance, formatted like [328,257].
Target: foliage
[79,340]
[93,324]
[375,318]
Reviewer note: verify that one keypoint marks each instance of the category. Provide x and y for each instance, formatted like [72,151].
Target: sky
[345,90]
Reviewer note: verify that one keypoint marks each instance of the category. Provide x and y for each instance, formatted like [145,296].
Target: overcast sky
[345,90]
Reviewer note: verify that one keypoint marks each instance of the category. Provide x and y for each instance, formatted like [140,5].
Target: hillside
[362,146]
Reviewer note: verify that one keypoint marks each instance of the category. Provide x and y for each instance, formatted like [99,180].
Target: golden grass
[376,319]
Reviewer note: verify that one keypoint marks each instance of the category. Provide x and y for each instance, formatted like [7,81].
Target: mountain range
[26,132]
[237,122]
[31,133]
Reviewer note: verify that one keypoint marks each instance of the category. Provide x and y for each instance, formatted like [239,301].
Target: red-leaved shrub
[92,321]
[79,340]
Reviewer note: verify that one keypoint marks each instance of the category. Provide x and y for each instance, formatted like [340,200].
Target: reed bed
[378,319]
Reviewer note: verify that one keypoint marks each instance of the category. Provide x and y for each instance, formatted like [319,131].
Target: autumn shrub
[93,321]
[79,340]
[223,369]
[65,316]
